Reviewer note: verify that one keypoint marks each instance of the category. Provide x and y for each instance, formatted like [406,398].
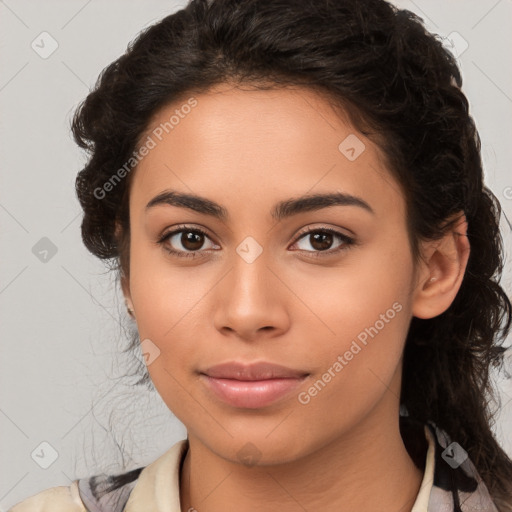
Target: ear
[441,271]
[125,287]
[125,282]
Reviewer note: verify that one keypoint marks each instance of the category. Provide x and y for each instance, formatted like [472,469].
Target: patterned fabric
[97,496]
[457,486]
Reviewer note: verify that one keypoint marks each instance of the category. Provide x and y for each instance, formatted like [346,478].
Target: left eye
[322,239]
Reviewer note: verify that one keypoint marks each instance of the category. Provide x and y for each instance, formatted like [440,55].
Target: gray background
[61,313]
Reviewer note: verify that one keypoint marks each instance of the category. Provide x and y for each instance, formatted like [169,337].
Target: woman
[293,194]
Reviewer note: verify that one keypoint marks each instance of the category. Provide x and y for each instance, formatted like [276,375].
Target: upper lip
[253,371]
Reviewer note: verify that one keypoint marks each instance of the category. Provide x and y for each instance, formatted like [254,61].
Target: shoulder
[98,493]
[113,493]
[55,499]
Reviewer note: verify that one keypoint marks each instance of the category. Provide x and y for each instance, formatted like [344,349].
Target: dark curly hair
[402,89]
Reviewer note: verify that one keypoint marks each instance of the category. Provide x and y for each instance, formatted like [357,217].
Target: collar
[158,485]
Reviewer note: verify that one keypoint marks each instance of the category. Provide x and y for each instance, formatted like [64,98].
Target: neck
[367,468]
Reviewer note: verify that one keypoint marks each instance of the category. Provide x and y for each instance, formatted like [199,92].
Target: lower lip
[251,394]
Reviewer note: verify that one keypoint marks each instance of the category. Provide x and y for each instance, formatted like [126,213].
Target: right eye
[190,239]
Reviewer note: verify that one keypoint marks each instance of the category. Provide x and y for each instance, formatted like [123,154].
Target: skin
[248,150]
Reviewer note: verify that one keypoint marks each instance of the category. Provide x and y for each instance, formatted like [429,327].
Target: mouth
[251,386]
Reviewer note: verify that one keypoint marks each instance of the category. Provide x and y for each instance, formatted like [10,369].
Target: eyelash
[347,241]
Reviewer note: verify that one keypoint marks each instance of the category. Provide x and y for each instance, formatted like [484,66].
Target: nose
[251,302]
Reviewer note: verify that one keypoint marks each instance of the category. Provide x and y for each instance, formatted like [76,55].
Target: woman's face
[333,308]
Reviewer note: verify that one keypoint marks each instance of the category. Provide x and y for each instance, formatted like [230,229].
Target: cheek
[169,304]
[162,293]
[368,306]
[169,312]
[371,291]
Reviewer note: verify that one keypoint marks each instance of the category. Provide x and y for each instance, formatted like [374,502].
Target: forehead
[258,146]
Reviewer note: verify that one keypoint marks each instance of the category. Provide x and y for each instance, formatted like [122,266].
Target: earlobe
[129,308]
[125,287]
[442,272]
[125,282]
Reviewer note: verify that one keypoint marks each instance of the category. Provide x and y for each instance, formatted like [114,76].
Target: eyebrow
[281,210]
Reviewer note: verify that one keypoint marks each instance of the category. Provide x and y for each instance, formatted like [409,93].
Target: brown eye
[186,242]
[191,240]
[321,240]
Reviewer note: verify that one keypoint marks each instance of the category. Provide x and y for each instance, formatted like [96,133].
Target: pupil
[324,244]
[192,240]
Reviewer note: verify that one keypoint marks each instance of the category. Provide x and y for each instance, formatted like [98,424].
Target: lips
[251,385]
[255,371]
